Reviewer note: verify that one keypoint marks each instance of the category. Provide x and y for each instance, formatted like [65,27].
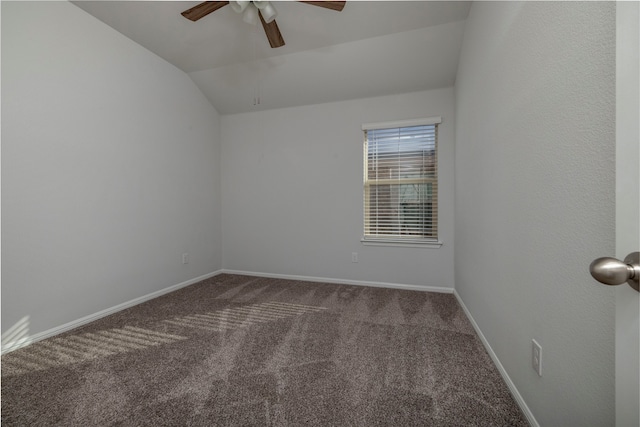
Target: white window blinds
[401,181]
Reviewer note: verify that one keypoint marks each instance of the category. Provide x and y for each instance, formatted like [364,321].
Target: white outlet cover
[536,357]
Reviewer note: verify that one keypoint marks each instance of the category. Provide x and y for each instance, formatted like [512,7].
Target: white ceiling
[371,48]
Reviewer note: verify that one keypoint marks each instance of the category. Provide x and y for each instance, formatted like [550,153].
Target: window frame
[409,241]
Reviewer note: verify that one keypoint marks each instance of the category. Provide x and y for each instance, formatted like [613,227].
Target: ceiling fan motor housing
[255,10]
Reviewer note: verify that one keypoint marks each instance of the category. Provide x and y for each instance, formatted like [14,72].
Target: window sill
[433,244]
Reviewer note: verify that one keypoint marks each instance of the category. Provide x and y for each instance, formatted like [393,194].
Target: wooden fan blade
[333,5]
[203,9]
[273,32]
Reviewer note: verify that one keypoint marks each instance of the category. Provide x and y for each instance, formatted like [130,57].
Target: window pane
[401,210]
[401,153]
[400,182]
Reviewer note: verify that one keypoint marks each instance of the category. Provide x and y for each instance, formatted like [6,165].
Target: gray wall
[109,168]
[292,197]
[535,98]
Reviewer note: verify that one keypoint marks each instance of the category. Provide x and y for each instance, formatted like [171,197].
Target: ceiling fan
[254,10]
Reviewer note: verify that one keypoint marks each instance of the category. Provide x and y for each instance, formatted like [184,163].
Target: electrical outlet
[354,256]
[185,258]
[536,357]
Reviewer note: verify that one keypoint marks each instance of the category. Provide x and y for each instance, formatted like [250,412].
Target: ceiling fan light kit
[255,10]
[269,13]
[260,4]
[251,9]
[239,5]
[250,15]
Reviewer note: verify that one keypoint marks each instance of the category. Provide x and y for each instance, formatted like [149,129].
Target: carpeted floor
[247,351]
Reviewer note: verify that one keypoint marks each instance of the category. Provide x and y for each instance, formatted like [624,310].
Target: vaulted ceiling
[371,48]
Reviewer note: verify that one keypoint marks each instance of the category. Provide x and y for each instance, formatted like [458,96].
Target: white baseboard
[11,346]
[444,290]
[512,387]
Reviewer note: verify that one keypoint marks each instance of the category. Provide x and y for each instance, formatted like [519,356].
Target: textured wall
[535,197]
[109,168]
[292,192]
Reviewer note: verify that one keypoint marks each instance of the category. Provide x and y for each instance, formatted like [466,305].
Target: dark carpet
[247,351]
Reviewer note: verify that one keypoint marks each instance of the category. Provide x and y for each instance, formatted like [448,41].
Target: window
[401,182]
